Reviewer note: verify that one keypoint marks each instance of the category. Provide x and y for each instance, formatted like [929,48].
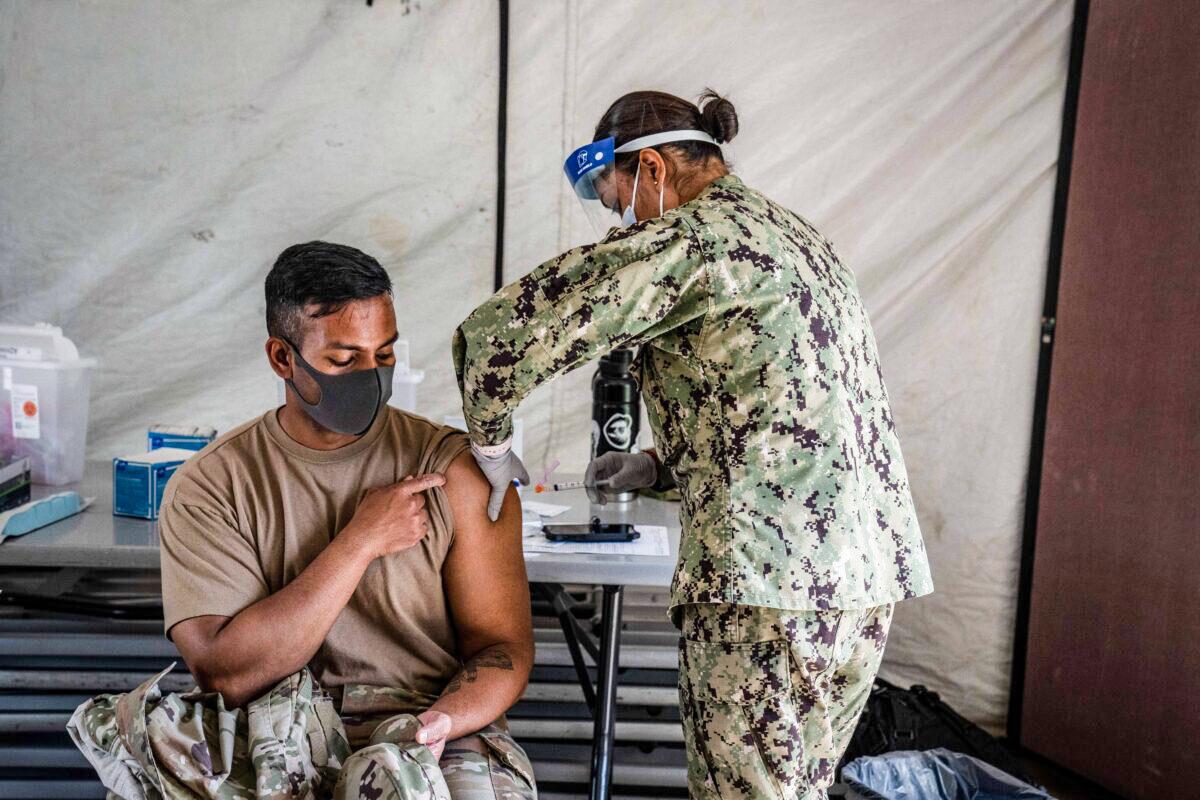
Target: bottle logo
[617,431]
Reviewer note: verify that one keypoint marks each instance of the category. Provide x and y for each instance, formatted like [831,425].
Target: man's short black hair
[322,274]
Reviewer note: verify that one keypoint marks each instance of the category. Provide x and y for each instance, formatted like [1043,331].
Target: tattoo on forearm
[492,659]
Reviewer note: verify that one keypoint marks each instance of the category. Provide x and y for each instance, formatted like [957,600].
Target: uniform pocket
[326,735]
[512,774]
[742,718]
[738,673]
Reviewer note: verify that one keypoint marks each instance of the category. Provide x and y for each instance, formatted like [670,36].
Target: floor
[1061,783]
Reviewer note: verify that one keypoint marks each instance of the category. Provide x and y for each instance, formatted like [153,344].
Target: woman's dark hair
[323,274]
[643,113]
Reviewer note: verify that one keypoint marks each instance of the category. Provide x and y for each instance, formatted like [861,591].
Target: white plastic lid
[163,455]
[34,345]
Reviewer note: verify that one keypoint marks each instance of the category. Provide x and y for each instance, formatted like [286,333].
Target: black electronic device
[595,531]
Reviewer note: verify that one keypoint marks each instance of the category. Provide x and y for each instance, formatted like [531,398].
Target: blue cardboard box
[139,480]
[185,437]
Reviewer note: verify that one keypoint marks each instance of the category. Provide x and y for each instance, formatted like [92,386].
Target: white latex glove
[501,467]
[624,472]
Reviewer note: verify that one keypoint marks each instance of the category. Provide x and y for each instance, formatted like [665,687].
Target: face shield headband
[589,170]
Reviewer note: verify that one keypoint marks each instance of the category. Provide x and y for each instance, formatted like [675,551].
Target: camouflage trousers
[289,743]
[770,698]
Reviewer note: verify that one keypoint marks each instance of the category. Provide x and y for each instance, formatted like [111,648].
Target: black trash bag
[932,775]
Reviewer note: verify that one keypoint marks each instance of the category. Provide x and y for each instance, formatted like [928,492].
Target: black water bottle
[615,408]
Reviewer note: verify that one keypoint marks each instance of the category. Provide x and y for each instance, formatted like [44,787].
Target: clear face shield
[591,171]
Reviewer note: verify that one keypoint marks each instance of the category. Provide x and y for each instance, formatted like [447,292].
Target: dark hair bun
[717,116]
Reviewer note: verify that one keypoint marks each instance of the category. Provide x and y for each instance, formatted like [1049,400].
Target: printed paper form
[542,509]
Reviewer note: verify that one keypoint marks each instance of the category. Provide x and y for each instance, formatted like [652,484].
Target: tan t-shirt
[247,514]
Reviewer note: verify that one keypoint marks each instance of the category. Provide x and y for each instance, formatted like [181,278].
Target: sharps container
[43,401]
[405,380]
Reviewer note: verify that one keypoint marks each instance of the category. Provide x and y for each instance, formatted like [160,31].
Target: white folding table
[612,573]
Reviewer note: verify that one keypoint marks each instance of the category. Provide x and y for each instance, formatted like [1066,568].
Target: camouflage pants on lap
[379,719]
[769,698]
[289,743]
[485,766]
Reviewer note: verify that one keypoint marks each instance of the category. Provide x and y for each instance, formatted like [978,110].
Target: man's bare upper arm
[193,637]
[484,573]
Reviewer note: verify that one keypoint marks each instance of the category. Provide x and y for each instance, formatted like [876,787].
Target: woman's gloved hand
[613,473]
[501,467]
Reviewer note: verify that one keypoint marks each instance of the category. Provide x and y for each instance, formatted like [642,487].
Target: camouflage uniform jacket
[762,385]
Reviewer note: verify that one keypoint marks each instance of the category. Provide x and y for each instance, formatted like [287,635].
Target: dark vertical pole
[1042,392]
[501,147]
[604,728]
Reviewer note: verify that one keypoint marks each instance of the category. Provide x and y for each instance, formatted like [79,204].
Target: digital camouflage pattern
[762,385]
[769,699]
[289,743]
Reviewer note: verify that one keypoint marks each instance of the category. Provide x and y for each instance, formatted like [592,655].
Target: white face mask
[629,216]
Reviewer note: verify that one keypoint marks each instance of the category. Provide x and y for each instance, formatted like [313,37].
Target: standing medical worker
[764,392]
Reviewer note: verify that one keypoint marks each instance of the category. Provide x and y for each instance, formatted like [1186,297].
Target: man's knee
[488,765]
[388,771]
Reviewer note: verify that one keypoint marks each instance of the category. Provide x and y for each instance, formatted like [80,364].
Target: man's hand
[501,467]
[624,472]
[393,518]
[435,727]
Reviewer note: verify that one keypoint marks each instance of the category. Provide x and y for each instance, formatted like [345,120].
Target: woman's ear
[654,166]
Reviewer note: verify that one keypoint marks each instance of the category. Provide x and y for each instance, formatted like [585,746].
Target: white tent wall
[922,138]
[155,157]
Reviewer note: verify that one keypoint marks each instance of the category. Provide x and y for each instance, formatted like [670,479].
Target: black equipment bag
[917,719]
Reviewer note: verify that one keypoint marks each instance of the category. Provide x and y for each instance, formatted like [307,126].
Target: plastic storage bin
[44,388]
[404,389]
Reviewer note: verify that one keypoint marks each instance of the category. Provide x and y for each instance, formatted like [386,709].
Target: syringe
[560,487]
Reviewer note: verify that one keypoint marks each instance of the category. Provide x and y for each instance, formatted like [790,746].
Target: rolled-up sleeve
[635,285]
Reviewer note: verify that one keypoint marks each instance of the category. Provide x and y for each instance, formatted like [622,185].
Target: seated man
[341,540]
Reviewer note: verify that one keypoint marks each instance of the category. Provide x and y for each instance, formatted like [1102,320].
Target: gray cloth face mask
[349,402]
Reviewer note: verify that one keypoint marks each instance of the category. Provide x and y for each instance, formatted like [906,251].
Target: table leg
[604,728]
[576,638]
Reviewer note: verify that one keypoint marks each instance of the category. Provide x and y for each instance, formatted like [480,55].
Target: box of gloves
[139,480]
[15,482]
